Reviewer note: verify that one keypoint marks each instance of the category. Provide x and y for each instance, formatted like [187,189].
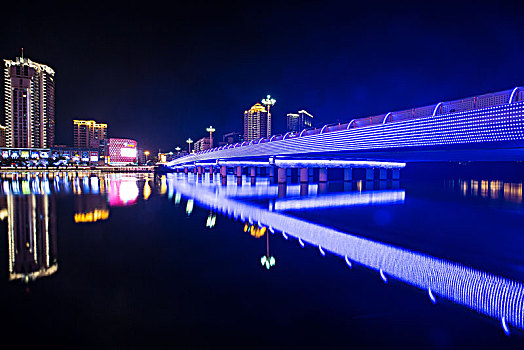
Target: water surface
[138,260]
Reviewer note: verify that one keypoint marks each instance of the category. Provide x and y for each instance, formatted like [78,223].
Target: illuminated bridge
[480,128]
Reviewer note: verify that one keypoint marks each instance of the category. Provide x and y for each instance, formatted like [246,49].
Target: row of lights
[268,102]
[463,127]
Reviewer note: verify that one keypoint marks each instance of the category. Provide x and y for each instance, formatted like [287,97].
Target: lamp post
[268,102]
[210,130]
[177,149]
[146,153]
[189,142]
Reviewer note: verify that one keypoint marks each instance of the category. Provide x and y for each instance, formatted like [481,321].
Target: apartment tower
[88,133]
[29,98]
[257,123]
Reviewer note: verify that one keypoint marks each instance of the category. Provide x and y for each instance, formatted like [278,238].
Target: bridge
[488,127]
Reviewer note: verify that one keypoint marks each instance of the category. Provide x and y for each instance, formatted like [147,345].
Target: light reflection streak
[488,294]
[341,200]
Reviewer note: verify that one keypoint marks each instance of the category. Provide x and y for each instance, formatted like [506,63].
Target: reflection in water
[92,216]
[147,190]
[124,191]
[494,189]
[489,294]
[27,201]
[31,232]
[91,208]
[340,200]
[211,220]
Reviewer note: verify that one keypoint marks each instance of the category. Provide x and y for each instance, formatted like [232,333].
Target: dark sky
[162,74]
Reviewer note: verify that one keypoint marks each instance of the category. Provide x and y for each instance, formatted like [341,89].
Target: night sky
[162,74]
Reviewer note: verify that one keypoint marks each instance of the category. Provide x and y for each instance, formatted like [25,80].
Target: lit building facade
[88,133]
[202,144]
[2,136]
[297,122]
[29,103]
[257,123]
[120,151]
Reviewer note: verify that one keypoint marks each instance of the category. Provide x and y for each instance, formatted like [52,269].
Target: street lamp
[189,142]
[146,153]
[268,102]
[177,149]
[210,130]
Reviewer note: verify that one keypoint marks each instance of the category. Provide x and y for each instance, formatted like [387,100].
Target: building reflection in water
[493,189]
[31,231]
[27,201]
[91,208]
[488,294]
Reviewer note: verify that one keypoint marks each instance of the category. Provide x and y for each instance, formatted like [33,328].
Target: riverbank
[100,169]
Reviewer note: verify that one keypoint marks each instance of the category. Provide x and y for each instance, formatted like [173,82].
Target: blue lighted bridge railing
[492,118]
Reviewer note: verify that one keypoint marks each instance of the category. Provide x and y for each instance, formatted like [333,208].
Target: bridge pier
[395,174]
[185,170]
[348,174]
[282,190]
[322,174]
[211,171]
[369,174]
[253,171]
[238,172]
[304,186]
[281,175]
[383,174]
[304,176]
[223,171]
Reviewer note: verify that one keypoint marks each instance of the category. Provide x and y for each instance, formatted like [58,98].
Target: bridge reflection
[488,294]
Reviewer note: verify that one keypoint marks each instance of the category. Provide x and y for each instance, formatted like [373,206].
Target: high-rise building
[29,98]
[297,122]
[202,144]
[257,123]
[2,136]
[88,133]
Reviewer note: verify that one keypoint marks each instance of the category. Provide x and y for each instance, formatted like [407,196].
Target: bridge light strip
[492,124]
[334,163]
[488,294]
[341,200]
[242,163]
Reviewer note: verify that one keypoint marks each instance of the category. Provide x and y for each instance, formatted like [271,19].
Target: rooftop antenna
[22,52]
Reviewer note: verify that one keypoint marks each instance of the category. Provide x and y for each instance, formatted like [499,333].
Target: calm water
[139,261]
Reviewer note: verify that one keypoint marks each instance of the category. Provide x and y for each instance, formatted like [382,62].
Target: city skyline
[341,61]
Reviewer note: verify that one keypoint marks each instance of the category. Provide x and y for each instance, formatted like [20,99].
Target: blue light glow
[488,294]
[494,124]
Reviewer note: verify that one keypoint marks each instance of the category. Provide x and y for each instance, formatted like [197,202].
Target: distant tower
[29,98]
[256,123]
[88,133]
[297,122]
